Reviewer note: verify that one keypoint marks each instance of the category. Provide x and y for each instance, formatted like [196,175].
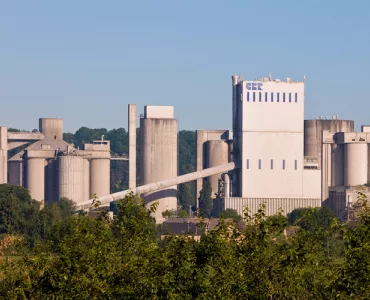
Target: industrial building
[271,155]
[52,169]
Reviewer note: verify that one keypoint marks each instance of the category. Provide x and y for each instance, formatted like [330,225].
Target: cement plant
[271,155]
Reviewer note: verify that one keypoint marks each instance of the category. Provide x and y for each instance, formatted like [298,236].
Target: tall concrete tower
[158,156]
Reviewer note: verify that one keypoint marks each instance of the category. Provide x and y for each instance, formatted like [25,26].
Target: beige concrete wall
[99,177]
[35,178]
[158,161]
[311,184]
[159,112]
[265,182]
[51,127]
[71,178]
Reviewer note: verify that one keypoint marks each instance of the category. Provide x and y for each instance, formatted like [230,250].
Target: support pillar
[3,155]
[132,146]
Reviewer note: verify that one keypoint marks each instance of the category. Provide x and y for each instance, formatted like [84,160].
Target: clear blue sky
[84,61]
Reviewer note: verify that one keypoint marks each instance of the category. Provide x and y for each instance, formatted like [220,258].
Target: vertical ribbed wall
[35,178]
[158,161]
[14,169]
[71,178]
[99,177]
[51,182]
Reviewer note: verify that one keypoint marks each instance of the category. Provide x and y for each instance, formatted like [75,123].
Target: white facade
[269,143]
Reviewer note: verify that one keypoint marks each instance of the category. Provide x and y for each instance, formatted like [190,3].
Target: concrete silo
[35,177]
[71,178]
[158,156]
[355,164]
[99,177]
[313,134]
[51,127]
[217,153]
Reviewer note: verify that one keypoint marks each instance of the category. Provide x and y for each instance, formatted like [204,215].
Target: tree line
[58,254]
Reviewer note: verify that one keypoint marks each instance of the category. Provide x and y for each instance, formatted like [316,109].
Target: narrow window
[247,96]
[295,165]
[254,96]
[272,97]
[266,97]
[278,97]
[283,164]
[259,164]
[296,97]
[283,97]
[272,164]
[247,163]
[260,96]
[290,97]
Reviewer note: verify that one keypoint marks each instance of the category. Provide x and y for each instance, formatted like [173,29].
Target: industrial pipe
[155,186]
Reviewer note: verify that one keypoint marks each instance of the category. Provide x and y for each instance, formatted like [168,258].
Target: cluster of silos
[52,169]
[313,134]
[158,156]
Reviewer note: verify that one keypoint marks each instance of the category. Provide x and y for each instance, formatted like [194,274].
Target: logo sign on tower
[254,86]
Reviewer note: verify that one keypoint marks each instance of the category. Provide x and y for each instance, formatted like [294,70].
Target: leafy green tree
[169,213]
[205,199]
[182,213]
[18,212]
[230,213]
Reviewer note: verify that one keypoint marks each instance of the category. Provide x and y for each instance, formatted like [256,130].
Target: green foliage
[182,213]
[205,199]
[18,212]
[169,213]
[126,259]
[230,213]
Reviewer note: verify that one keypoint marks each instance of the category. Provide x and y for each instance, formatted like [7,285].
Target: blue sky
[84,61]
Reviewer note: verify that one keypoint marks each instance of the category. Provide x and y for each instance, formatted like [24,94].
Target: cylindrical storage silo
[158,161]
[35,178]
[15,172]
[216,155]
[337,165]
[71,178]
[86,179]
[355,164]
[51,127]
[99,177]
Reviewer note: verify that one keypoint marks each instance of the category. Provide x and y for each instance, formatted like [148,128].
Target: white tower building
[268,147]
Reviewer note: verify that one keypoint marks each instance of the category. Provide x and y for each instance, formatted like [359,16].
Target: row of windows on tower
[271,97]
[283,164]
